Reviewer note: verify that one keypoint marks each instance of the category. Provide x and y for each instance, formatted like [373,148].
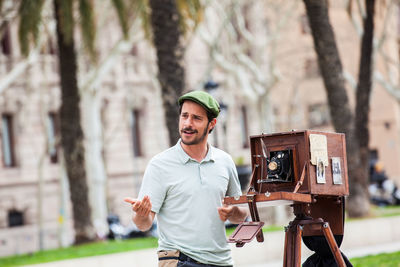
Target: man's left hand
[226,211]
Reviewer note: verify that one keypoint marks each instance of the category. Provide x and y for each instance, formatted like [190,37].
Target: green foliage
[191,14]
[30,12]
[29,20]
[67,19]
[127,10]
[143,11]
[88,26]
[122,17]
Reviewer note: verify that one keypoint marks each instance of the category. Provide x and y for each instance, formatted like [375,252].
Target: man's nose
[188,121]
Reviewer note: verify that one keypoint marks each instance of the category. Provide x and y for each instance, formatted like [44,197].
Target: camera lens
[279,166]
[272,166]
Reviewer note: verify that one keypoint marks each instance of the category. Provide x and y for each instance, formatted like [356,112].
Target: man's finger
[137,204]
[130,200]
[146,200]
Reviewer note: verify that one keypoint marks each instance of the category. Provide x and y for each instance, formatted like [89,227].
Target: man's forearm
[143,223]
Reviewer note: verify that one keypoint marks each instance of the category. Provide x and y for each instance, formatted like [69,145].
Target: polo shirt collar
[185,158]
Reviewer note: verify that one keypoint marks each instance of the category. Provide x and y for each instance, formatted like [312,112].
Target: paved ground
[364,237]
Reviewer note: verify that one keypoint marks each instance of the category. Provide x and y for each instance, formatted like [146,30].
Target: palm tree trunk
[340,111]
[363,96]
[170,52]
[365,81]
[72,135]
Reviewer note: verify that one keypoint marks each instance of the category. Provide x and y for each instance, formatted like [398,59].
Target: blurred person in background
[383,191]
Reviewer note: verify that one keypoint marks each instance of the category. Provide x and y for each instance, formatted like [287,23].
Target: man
[185,186]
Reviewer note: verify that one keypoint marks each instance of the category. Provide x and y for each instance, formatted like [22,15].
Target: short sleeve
[234,184]
[153,186]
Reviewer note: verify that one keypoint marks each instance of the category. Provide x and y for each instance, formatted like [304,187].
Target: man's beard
[196,140]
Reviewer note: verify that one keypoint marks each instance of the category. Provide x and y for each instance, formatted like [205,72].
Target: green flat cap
[204,99]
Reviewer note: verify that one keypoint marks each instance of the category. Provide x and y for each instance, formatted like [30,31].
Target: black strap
[183,257]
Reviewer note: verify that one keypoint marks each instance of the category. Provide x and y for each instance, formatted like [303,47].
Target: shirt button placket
[200,177]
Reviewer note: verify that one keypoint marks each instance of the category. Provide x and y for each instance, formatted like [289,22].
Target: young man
[185,186]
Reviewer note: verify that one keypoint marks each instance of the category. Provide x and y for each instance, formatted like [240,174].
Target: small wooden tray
[245,232]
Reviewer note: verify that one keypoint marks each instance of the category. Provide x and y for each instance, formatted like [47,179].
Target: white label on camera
[320,172]
[319,149]
[336,171]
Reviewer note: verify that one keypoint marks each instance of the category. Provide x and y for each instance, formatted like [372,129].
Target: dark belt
[184,257]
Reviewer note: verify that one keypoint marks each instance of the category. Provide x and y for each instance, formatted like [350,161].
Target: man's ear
[213,122]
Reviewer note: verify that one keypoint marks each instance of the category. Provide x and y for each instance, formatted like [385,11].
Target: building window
[244,127]
[318,115]
[15,218]
[6,41]
[136,140]
[7,141]
[53,136]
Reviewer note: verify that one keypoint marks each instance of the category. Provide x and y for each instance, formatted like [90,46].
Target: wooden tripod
[293,234]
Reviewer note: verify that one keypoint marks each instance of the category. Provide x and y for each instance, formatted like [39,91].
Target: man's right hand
[143,217]
[141,207]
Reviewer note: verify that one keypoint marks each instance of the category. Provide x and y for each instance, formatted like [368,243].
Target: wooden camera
[305,162]
[307,169]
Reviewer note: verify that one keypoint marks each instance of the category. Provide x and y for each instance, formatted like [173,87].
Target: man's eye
[196,117]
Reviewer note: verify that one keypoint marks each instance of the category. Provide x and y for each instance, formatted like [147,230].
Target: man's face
[193,123]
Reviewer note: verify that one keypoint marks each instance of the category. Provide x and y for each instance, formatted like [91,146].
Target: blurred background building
[257,59]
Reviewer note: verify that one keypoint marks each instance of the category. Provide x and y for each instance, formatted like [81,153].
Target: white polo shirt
[185,195]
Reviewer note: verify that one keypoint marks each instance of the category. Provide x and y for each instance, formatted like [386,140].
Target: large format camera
[305,169]
[309,162]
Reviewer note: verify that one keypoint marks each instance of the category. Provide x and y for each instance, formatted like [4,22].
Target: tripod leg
[285,254]
[292,251]
[332,244]
[297,249]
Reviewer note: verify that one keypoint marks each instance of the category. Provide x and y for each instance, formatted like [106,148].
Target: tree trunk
[363,98]
[72,135]
[95,168]
[340,111]
[170,52]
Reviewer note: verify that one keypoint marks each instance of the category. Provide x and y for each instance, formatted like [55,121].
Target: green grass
[93,249]
[107,247]
[266,229]
[388,211]
[381,260]
[86,250]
